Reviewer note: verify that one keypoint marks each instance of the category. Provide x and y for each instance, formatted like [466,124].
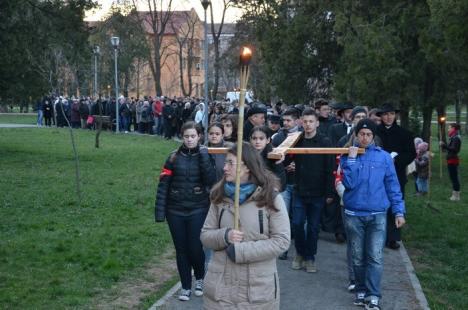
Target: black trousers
[453,174]
[185,232]
[167,129]
[393,233]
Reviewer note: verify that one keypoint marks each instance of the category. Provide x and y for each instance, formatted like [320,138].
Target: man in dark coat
[336,131]
[255,117]
[399,143]
[322,108]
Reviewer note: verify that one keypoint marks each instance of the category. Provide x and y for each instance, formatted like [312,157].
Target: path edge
[413,278]
[166,296]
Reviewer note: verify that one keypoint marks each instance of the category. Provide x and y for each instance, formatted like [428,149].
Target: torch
[441,129]
[245,57]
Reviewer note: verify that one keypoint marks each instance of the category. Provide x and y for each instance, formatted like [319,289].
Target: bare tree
[185,37]
[216,33]
[157,20]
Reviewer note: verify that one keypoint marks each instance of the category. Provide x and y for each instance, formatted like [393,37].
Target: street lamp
[115,43]
[205,4]
[96,52]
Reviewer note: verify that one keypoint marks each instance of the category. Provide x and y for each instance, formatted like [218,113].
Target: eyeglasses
[230,163]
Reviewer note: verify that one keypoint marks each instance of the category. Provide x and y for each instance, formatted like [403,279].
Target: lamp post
[205,4]
[441,130]
[245,57]
[115,43]
[96,53]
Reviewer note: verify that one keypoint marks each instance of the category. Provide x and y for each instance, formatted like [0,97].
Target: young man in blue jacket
[371,187]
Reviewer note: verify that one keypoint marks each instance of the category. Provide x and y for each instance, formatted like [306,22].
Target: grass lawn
[55,254]
[438,240]
[18,119]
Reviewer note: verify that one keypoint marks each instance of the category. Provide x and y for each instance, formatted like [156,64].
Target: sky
[231,14]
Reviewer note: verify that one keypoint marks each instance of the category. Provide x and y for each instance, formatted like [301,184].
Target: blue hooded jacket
[371,184]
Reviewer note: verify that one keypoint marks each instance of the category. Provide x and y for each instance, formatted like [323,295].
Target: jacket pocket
[213,285]
[263,287]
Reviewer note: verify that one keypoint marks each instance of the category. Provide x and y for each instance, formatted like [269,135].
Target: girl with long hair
[242,273]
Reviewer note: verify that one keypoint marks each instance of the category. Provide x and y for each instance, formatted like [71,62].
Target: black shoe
[340,238]
[283,256]
[394,245]
[373,305]
[360,300]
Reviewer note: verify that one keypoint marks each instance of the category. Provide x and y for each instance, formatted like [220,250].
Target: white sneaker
[185,295]
[199,288]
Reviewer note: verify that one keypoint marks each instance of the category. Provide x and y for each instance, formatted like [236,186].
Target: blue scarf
[245,190]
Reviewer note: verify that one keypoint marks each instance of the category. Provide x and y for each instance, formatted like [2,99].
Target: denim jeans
[287,195]
[40,115]
[307,209]
[422,185]
[367,237]
[185,232]
[349,256]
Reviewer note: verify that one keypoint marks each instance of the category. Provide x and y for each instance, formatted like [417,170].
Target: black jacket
[400,140]
[314,173]
[184,183]
[336,132]
[453,147]
[277,169]
[325,124]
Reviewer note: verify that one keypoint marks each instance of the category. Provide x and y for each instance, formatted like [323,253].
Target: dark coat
[336,131]
[184,183]
[277,169]
[400,140]
[248,126]
[325,124]
[453,147]
[168,113]
[314,173]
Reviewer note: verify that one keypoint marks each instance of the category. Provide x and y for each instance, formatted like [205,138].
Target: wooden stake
[245,57]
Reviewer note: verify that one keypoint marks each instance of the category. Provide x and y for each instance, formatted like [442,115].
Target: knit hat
[366,124]
[356,110]
[274,118]
[257,109]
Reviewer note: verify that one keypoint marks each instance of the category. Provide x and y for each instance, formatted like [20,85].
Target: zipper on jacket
[276,285]
[260,220]
[220,217]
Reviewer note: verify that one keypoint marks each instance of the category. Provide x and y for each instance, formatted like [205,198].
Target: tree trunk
[466,117]
[404,115]
[426,127]
[458,106]
[216,68]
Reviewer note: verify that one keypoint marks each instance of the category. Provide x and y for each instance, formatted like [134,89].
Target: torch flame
[245,56]
[246,52]
[442,119]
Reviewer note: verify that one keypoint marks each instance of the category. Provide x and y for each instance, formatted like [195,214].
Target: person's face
[289,122]
[365,137]
[230,166]
[388,118]
[359,116]
[273,126]
[310,124]
[259,140]
[215,135]
[376,119]
[324,111]
[191,138]
[227,129]
[347,115]
[258,119]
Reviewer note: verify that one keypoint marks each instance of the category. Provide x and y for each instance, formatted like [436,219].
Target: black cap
[256,109]
[357,110]
[274,118]
[340,107]
[387,107]
[367,124]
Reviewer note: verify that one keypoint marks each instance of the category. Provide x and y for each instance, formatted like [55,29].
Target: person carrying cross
[371,188]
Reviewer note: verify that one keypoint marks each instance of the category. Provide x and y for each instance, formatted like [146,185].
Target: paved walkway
[327,289]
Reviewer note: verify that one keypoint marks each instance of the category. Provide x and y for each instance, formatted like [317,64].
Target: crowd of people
[358,197]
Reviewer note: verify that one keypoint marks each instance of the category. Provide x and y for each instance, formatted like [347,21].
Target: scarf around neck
[245,191]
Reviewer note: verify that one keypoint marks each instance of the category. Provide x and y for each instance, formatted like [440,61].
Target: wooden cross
[287,147]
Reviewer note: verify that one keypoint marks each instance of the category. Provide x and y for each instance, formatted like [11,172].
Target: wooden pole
[297,150]
[245,57]
[440,151]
